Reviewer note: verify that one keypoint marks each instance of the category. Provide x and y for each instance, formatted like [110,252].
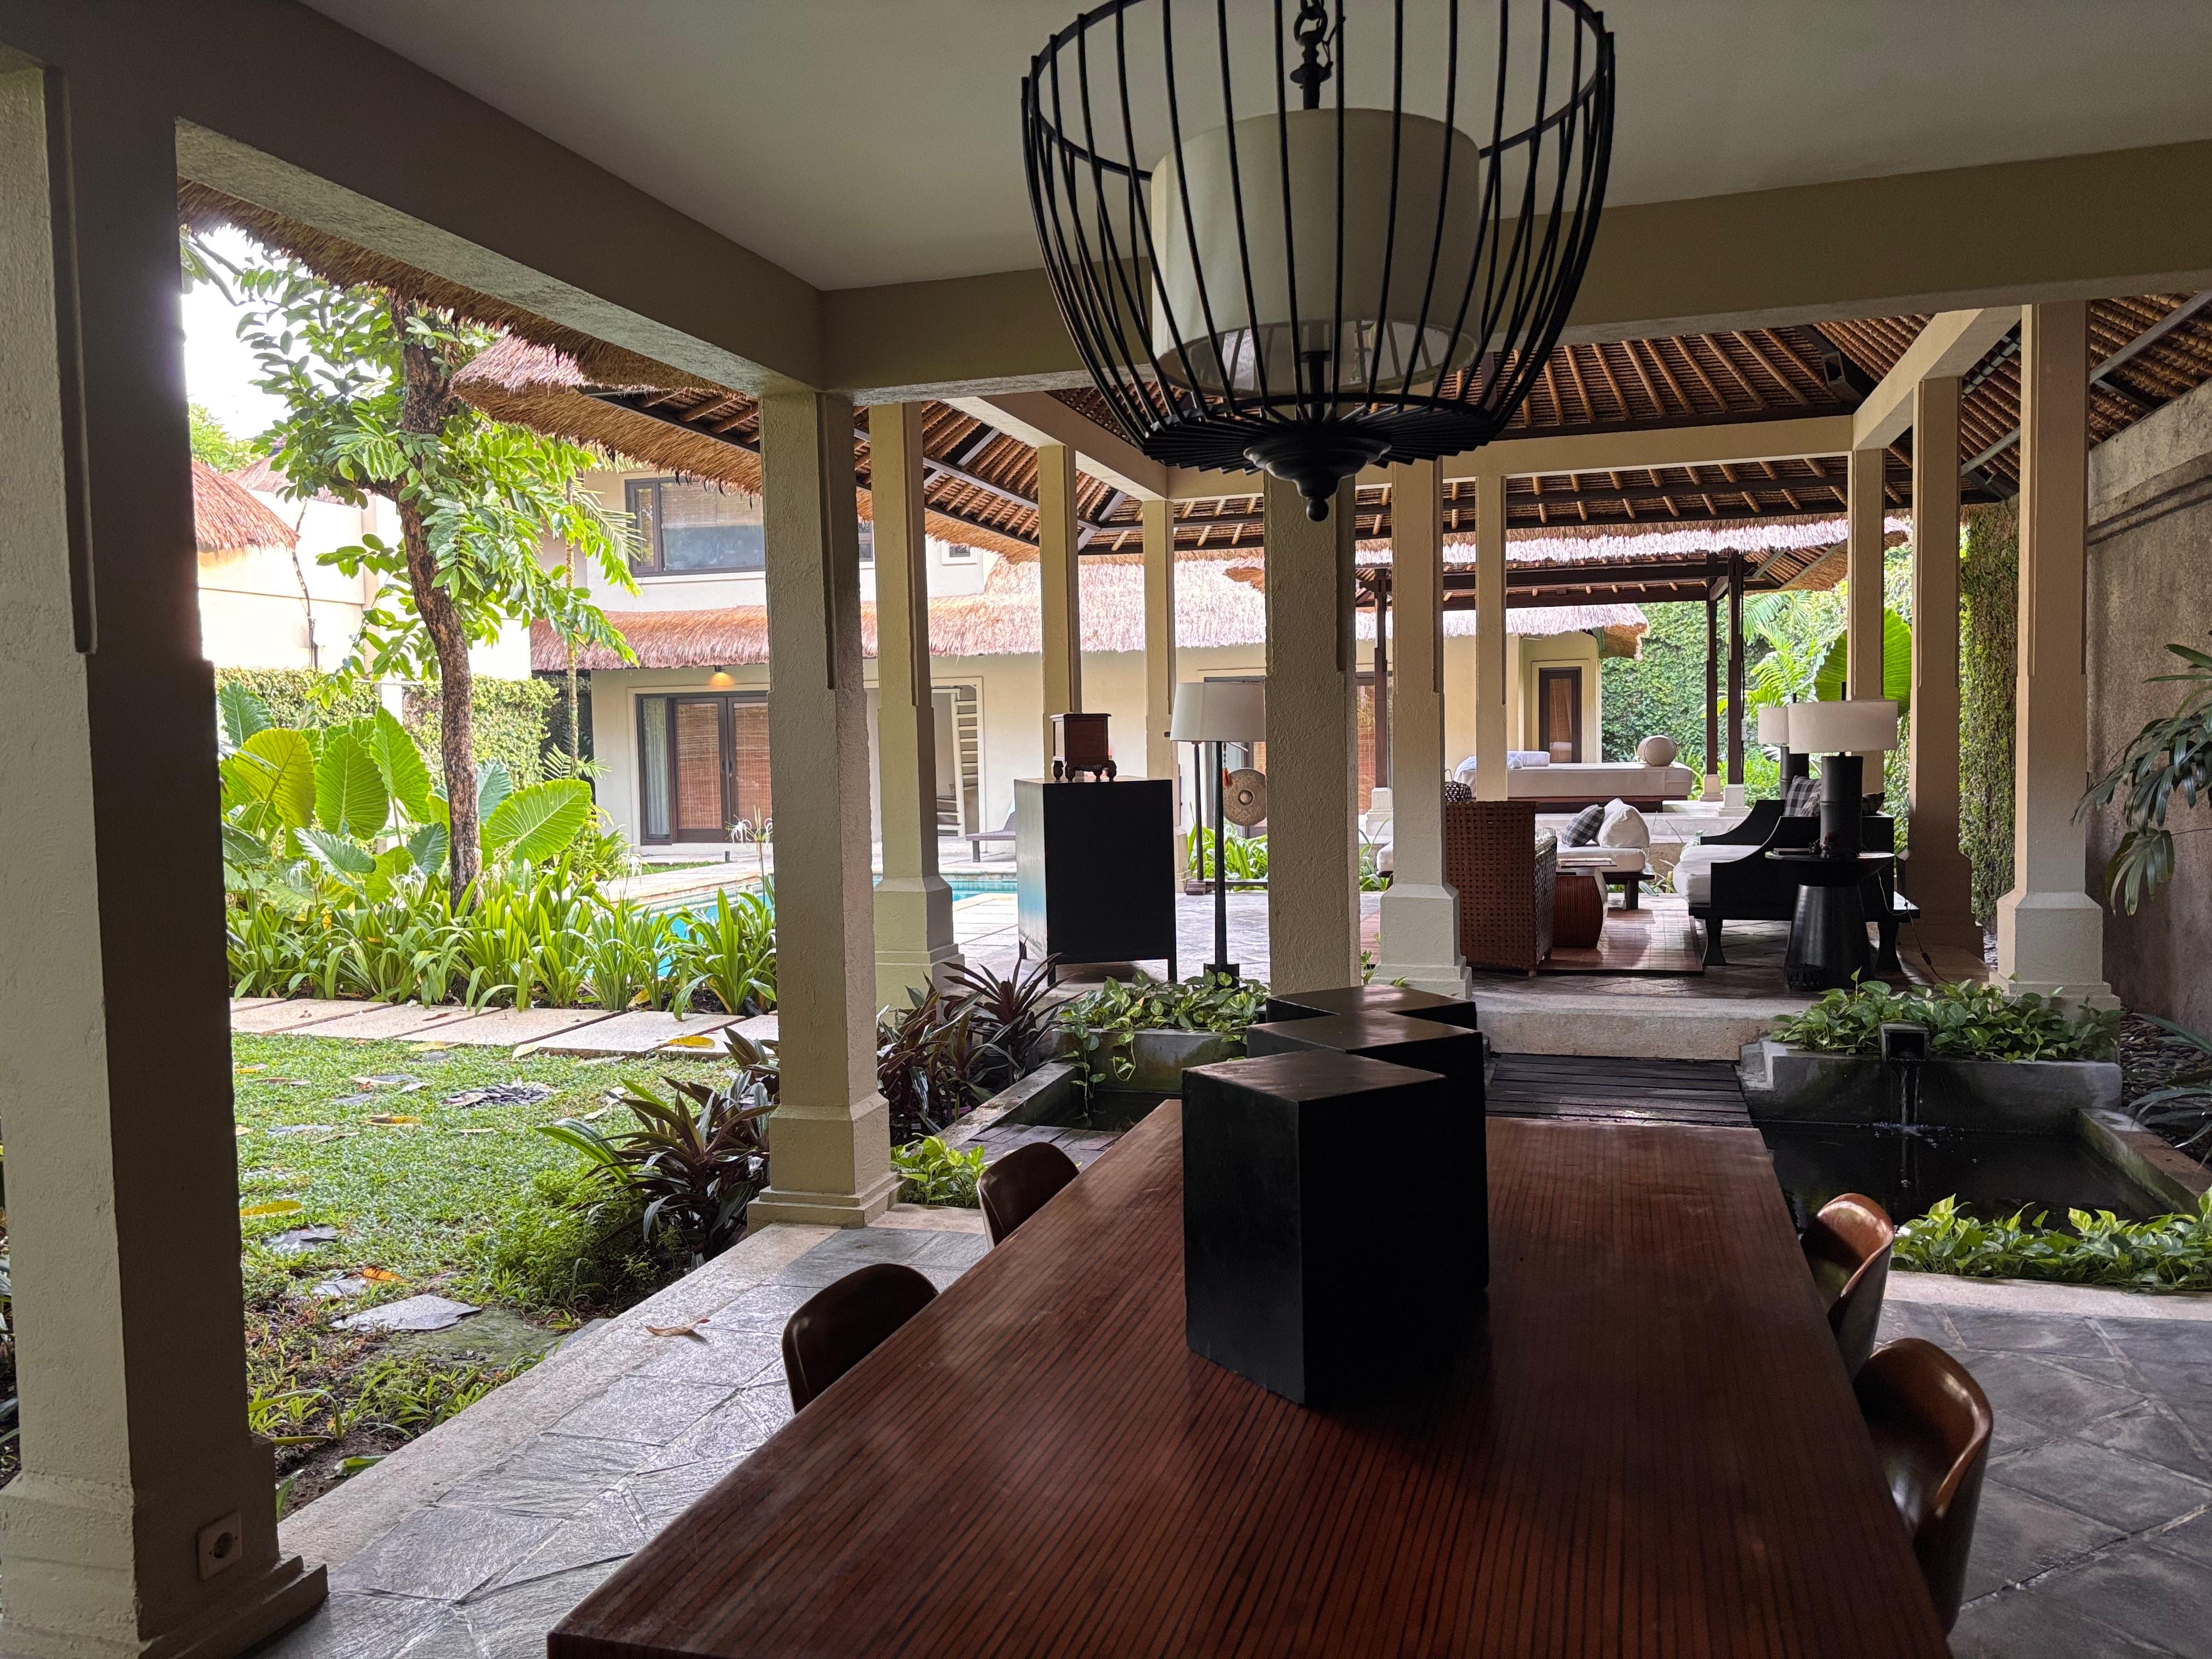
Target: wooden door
[1560,710]
[700,755]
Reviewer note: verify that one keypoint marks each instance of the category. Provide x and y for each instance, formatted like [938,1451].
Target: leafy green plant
[1989,640]
[1964,1021]
[697,1154]
[2169,759]
[1100,1027]
[927,1065]
[2169,1253]
[1247,856]
[1010,1015]
[930,1172]
[623,949]
[730,954]
[2181,1110]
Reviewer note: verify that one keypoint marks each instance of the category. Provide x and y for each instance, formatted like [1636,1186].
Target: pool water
[972,887]
[1992,1174]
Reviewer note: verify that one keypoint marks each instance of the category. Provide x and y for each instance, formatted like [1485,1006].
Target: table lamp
[1774,732]
[1842,734]
[1220,712]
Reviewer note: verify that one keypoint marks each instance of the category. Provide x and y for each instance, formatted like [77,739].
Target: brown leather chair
[1019,1184]
[1847,1246]
[1931,1423]
[838,1327]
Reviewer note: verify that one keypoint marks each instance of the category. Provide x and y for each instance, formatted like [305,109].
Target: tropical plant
[2168,1253]
[624,947]
[213,443]
[930,1172]
[1829,685]
[1247,856]
[366,380]
[697,1154]
[1964,1021]
[1099,1028]
[1010,1016]
[925,1064]
[2169,759]
[730,954]
[2181,1109]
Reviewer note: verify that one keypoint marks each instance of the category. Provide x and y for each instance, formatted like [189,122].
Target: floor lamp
[1220,712]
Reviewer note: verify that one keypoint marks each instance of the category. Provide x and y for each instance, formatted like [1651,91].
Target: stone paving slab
[508,1028]
[292,1014]
[389,1020]
[638,1032]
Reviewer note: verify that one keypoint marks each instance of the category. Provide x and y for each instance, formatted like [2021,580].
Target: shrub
[1101,1026]
[573,1247]
[933,1173]
[508,723]
[1965,1021]
[1009,1017]
[928,1064]
[2169,1252]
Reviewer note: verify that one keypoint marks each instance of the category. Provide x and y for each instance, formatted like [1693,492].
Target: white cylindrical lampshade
[1384,331]
[1842,728]
[1219,711]
[1774,725]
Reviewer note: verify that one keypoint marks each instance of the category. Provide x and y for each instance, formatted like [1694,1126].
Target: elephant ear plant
[697,1154]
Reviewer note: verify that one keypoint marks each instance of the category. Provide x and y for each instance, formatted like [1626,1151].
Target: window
[959,553]
[703,763]
[684,527]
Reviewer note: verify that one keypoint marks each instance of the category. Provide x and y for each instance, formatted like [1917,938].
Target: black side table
[1828,936]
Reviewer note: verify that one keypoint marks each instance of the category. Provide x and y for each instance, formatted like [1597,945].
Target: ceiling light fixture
[1274,251]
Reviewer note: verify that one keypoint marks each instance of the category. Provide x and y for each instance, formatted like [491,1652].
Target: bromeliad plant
[1965,1021]
[2170,759]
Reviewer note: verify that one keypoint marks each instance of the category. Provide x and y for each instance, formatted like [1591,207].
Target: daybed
[1560,784]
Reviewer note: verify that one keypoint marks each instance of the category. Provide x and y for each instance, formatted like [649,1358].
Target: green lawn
[462,1200]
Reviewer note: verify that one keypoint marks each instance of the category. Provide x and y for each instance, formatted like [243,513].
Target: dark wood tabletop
[1647,1447]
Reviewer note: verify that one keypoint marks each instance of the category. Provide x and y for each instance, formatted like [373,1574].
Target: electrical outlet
[222,1542]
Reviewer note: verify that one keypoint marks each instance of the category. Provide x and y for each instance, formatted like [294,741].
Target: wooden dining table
[1647,1447]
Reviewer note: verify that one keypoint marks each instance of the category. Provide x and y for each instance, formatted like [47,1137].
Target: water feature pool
[1990,1174]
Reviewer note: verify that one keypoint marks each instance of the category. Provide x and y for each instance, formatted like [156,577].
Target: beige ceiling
[860,142]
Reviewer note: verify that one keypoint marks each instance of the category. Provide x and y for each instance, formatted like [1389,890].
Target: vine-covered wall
[510,714]
[1989,635]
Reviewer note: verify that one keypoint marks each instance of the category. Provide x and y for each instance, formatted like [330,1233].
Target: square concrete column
[2051,934]
[829,1139]
[913,905]
[1158,519]
[1937,875]
[1313,863]
[1491,726]
[143,1520]
[1863,593]
[1060,583]
[1420,909]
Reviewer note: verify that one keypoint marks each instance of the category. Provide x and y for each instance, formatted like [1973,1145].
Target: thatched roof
[1217,605]
[227,520]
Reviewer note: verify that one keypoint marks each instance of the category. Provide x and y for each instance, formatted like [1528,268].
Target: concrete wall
[2150,585]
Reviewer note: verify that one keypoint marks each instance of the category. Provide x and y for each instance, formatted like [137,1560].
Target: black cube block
[1290,1279]
[1450,1051]
[1372,999]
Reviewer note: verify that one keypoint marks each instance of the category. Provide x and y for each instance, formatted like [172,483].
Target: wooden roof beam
[1038,417]
[1949,347]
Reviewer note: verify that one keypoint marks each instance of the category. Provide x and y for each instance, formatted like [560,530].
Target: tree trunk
[426,402]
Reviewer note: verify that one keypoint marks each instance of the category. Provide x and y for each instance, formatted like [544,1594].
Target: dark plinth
[1095,869]
[1452,1052]
[1828,933]
[1288,1279]
[1372,999]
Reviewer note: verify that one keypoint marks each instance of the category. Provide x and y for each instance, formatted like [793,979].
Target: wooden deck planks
[1648,1447]
[1700,1091]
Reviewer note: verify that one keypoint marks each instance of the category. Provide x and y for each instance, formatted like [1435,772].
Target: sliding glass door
[703,764]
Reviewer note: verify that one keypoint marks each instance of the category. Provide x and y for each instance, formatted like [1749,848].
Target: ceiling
[860,142]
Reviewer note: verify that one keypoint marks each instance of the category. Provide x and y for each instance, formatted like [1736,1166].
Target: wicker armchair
[1503,871]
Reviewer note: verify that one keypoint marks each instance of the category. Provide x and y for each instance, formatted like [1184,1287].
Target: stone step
[1669,1027]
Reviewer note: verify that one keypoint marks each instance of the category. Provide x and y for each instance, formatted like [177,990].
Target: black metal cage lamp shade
[1262,269]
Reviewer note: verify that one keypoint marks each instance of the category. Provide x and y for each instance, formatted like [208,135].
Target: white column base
[914,936]
[1732,797]
[823,1209]
[2052,944]
[811,1174]
[1421,940]
[1712,789]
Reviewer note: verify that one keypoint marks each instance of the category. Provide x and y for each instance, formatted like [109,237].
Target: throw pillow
[1623,826]
[1455,790]
[1657,751]
[1801,799]
[1583,832]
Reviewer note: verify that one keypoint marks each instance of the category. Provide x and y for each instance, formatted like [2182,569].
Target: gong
[1244,796]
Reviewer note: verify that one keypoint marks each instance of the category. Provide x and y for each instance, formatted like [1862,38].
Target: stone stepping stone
[293,1015]
[394,1019]
[413,1313]
[639,1032]
[505,1028]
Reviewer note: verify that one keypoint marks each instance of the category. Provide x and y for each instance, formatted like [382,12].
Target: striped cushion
[1583,832]
[1801,799]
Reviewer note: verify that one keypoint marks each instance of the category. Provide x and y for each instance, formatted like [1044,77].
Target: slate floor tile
[2161,1599]
[651,1411]
[660,1496]
[352,1624]
[1915,1319]
[609,1529]
[729,1434]
[2150,1430]
[735,1354]
[2111,1487]
[442,1555]
[2044,1391]
[2018,1536]
[512,1624]
[2180,1342]
[2029,1334]
[2027,1624]
[2192,1537]
[558,1478]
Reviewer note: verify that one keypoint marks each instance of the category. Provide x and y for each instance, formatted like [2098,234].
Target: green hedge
[1661,693]
[1989,593]
[511,715]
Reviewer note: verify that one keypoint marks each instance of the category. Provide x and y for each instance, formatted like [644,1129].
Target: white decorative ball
[1657,751]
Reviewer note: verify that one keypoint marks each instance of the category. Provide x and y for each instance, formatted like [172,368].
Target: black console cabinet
[1095,866]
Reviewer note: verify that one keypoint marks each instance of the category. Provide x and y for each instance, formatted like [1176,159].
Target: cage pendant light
[1311,240]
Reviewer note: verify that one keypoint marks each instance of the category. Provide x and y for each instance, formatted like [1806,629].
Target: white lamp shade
[1774,725]
[1842,728]
[1219,711]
